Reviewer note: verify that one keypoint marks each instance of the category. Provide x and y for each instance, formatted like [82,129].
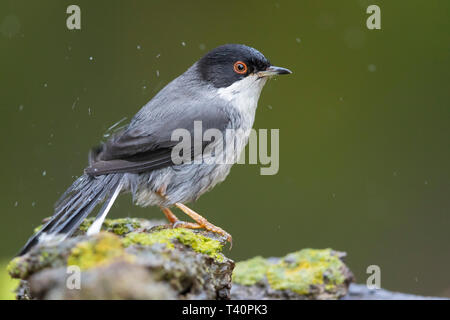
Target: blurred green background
[364,121]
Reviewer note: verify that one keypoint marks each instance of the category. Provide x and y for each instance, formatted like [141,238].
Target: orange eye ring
[240,67]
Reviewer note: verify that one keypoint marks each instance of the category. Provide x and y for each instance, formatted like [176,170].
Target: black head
[229,63]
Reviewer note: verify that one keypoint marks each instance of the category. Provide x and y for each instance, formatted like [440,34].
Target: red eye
[240,67]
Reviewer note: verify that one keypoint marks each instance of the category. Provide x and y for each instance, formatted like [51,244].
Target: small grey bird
[221,90]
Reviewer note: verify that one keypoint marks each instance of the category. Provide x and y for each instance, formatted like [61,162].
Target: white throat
[244,94]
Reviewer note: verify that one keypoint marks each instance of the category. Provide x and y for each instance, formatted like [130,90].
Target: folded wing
[147,145]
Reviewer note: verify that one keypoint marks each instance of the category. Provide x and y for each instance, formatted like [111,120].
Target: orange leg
[176,223]
[169,215]
[203,223]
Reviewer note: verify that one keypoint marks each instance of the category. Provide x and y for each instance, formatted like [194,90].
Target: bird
[221,91]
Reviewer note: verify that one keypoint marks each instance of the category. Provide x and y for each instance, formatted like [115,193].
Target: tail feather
[78,184]
[91,195]
[69,225]
[97,224]
[75,205]
[60,215]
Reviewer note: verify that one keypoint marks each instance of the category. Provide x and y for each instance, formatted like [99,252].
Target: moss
[44,256]
[118,226]
[197,242]
[251,271]
[16,268]
[121,226]
[102,250]
[22,267]
[84,226]
[296,272]
[7,285]
[39,227]
[299,270]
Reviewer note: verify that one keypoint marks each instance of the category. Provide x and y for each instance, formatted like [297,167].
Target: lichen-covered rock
[41,257]
[122,226]
[118,280]
[131,259]
[305,274]
[102,249]
[141,259]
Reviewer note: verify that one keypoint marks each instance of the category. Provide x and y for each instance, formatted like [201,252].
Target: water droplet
[138,47]
[75,102]
[21,108]
[157,73]
[33,204]
[183,44]
[45,85]
[158,55]
[91,58]
[16,203]
[44,173]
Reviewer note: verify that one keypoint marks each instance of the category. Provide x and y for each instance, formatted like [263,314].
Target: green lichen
[84,226]
[118,226]
[39,227]
[251,271]
[44,256]
[22,267]
[121,226]
[296,272]
[299,270]
[16,268]
[7,285]
[105,248]
[197,242]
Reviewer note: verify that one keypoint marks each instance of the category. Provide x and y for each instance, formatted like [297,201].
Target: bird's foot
[210,227]
[184,224]
[203,223]
[207,226]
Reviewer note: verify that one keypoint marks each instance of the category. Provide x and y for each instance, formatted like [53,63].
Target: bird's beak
[272,71]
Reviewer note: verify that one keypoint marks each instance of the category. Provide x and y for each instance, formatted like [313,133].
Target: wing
[146,144]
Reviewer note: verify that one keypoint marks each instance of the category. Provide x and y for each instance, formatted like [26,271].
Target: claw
[203,223]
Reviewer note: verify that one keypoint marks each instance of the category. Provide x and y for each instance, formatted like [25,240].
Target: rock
[305,274]
[118,280]
[129,259]
[141,259]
